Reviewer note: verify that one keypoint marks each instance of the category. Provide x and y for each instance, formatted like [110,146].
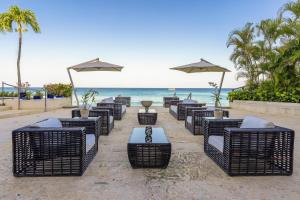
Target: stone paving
[190,174]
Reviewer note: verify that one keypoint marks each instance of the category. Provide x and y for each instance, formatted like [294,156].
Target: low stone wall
[276,108]
[39,104]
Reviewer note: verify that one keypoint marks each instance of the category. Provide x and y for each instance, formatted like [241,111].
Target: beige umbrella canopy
[91,66]
[203,66]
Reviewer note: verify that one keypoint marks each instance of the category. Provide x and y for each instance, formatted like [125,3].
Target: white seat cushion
[123,108]
[255,122]
[173,108]
[111,119]
[217,142]
[189,119]
[48,123]
[90,142]
[188,101]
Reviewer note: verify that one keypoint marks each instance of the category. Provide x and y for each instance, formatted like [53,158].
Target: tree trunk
[18,67]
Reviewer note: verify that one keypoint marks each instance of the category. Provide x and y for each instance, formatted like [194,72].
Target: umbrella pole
[220,87]
[73,87]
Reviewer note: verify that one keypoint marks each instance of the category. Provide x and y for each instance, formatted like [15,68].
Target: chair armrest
[64,130]
[100,113]
[105,105]
[248,132]
[207,113]
[111,110]
[175,102]
[217,126]
[198,116]
[76,113]
[91,126]
[189,110]
[278,142]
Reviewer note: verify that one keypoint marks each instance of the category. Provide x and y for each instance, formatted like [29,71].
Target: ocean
[154,94]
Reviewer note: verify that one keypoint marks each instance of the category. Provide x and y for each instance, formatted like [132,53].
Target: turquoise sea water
[155,94]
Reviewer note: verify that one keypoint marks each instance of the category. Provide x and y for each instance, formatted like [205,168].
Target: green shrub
[59,89]
[266,92]
[39,94]
[8,94]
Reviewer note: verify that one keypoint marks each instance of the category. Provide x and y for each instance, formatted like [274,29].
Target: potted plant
[87,100]
[218,112]
[38,95]
[28,95]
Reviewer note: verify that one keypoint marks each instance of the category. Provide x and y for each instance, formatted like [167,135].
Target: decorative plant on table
[218,112]
[87,100]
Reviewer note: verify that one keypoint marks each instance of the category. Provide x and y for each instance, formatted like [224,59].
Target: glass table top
[158,136]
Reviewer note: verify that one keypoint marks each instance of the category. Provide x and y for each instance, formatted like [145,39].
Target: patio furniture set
[65,147]
[241,147]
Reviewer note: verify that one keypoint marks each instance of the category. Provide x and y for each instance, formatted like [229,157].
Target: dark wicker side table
[143,153]
[147,118]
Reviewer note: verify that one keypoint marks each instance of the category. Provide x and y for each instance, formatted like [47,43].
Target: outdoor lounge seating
[166,101]
[178,108]
[55,147]
[123,100]
[251,146]
[194,118]
[119,108]
[107,118]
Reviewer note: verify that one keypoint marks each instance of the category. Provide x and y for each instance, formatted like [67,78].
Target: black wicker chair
[178,108]
[65,151]
[107,118]
[119,109]
[123,100]
[194,119]
[167,100]
[249,151]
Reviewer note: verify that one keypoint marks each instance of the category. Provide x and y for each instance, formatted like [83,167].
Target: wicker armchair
[107,118]
[178,108]
[123,100]
[64,151]
[194,119]
[119,109]
[168,99]
[249,151]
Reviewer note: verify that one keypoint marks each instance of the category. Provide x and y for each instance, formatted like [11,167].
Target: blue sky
[147,37]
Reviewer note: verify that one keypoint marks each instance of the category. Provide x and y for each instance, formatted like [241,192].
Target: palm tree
[245,53]
[271,30]
[293,8]
[16,19]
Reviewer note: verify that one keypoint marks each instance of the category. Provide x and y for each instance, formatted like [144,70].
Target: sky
[146,37]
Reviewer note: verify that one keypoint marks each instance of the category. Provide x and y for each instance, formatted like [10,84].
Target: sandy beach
[190,175]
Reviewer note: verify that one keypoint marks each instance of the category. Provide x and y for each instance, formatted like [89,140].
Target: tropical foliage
[215,94]
[267,56]
[59,89]
[18,20]
[88,98]
[8,94]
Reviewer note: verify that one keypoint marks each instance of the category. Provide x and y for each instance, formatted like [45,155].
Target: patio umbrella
[91,66]
[203,66]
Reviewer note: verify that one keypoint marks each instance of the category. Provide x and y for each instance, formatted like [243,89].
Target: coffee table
[147,118]
[145,154]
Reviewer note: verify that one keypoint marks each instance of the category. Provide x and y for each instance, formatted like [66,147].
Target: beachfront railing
[19,97]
